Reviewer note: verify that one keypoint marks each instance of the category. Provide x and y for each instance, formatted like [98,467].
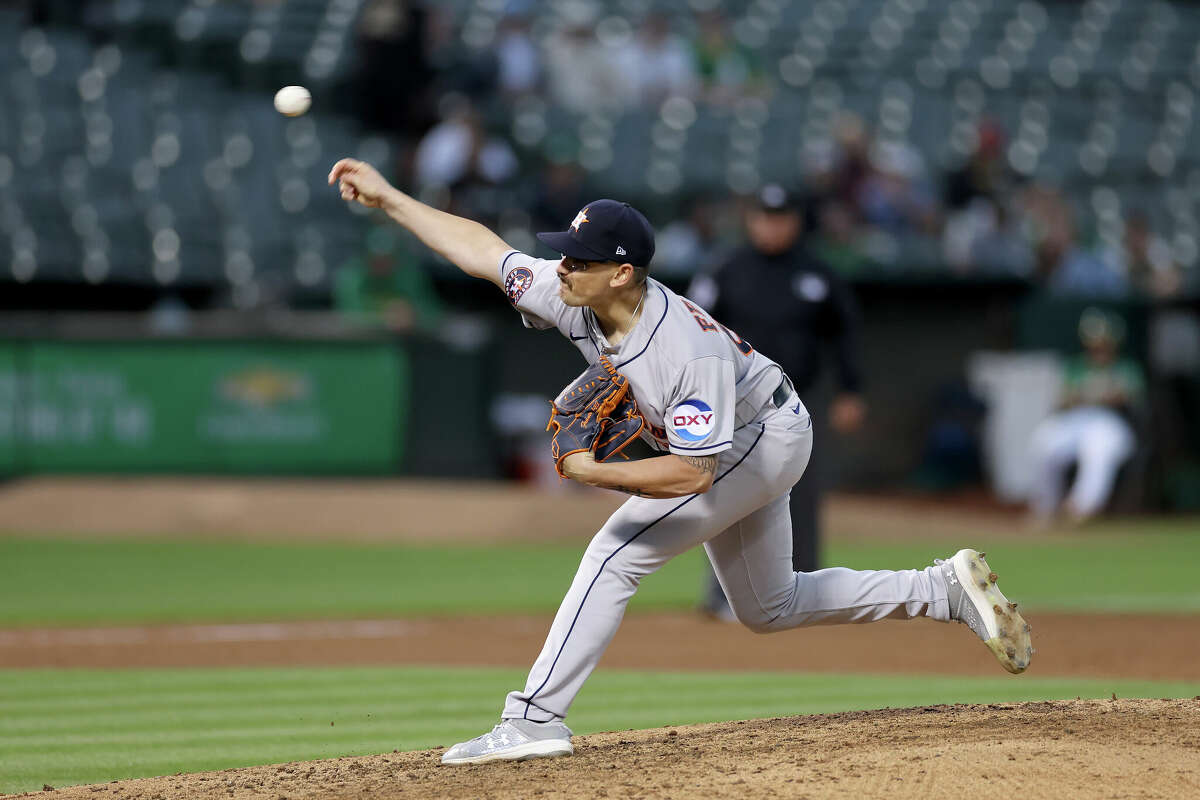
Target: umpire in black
[787,302]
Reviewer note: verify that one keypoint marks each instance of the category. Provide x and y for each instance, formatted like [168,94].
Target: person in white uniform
[733,436]
[1103,391]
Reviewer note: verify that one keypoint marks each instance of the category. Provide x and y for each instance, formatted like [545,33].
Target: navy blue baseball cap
[606,230]
[775,199]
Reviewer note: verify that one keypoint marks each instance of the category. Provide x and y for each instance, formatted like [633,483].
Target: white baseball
[292,101]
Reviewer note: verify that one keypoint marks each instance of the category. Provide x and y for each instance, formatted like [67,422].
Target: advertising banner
[203,406]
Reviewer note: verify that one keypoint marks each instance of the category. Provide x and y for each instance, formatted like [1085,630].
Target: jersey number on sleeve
[708,325]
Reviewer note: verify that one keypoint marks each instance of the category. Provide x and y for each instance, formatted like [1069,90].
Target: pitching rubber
[1008,632]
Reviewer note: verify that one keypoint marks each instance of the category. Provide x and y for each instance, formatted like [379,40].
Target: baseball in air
[292,101]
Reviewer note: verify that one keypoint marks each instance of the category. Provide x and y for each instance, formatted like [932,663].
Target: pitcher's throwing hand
[359,181]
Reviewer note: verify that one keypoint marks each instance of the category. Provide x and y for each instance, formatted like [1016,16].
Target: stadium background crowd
[524,111]
[1044,147]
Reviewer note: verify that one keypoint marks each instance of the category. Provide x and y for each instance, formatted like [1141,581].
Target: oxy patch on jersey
[692,420]
[517,282]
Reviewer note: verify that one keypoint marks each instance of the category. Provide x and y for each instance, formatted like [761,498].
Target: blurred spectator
[1076,272]
[836,173]
[560,192]
[519,66]
[394,77]
[985,237]
[836,240]
[722,67]
[387,284]
[780,297]
[1060,263]
[664,64]
[986,173]
[1145,259]
[895,196]
[584,75]
[690,245]
[981,234]
[458,149]
[1001,249]
[1044,215]
[853,157]
[1102,393]
[442,42]
[1072,271]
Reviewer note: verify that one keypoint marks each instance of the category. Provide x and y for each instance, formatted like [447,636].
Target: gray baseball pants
[745,526]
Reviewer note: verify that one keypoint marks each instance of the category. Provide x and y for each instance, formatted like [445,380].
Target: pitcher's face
[584,283]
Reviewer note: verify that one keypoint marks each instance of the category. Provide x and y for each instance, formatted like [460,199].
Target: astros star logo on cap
[580,218]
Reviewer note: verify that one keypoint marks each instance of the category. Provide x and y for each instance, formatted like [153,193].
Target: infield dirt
[1053,750]
[1133,646]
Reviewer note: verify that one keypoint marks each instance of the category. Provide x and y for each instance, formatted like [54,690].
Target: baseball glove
[596,414]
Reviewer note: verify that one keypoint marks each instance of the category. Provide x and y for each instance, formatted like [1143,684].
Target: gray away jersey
[694,380]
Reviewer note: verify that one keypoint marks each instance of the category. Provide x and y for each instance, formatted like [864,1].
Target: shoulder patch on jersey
[692,420]
[520,279]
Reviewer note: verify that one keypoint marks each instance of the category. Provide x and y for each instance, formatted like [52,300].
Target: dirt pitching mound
[1064,749]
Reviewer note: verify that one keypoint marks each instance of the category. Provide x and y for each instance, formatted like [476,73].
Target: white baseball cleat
[513,740]
[977,602]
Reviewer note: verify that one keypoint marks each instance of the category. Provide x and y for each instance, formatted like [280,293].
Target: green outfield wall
[203,406]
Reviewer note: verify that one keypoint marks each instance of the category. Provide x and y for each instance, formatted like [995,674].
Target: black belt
[783,392]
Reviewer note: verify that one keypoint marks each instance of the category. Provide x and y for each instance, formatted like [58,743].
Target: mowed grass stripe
[376,709]
[259,712]
[197,700]
[1134,570]
[125,581]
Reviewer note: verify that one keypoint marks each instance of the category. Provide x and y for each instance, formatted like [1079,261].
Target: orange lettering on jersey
[698,315]
[705,324]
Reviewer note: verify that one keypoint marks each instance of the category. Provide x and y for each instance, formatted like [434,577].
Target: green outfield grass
[63,582]
[65,727]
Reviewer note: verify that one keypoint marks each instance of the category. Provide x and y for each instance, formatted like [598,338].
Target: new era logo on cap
[604,230]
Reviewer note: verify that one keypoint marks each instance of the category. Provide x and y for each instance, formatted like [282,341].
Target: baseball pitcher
[733,436]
